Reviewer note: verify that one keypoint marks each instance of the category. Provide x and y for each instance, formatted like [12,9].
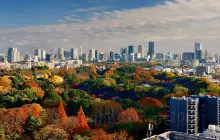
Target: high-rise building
[141,50]
[184,115]
[206,55]
[193,114]
[130,49]
[60,53]
[112,56]
[96,54]
[160,56]
[13,55]
[151,50]
[80,50]
[50,57]
[176,57]
[131,57]
[92,55]
[198,51]
[85,57]
[37,53]
[67,54]
[107,55]
[43,55]
[74,53]
[137,56]
[188,56]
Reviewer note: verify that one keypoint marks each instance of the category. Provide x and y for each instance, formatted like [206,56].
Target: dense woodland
[89,103]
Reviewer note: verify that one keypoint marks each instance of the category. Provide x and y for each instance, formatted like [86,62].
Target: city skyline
[107,24]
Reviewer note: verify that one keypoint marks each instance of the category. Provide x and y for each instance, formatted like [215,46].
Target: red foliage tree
[129,115]
[61,113]
[109,73]
[150,102]
[82,119]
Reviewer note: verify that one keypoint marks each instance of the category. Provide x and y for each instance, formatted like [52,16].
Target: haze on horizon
[102,24]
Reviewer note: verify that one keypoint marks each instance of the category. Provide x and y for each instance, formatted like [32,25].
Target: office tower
[13,55]
[112,56]
[117,56]
[151,50]
[206,55]
[160,56]
[130,49]
[27,57]
[198,51]
[107,55]
[85,57]
[80,50]
[60,53]
[101,56]
[80,53]
[188,56]
[43,55]
[74,53]
[2,58]
[141,50]
[176,57]
[184,115]
[200,110]
[50,57]
[131,57]
[137,56]
[96,54]
[92,54]
[37,53]
[124,51]
[67,54]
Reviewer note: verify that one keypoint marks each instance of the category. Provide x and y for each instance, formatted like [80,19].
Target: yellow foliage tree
[57,80]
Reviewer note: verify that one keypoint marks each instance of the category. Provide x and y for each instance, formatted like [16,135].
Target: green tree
[33,123]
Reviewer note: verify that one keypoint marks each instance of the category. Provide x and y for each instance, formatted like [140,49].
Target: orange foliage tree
[149,103]
[61,113]
[109,73]
[129,115]
[100,134]
[82,119]
[13,120]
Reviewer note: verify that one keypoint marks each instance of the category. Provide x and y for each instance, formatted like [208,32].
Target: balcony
[191,122]
[191,117]
[192,103]
[191,108]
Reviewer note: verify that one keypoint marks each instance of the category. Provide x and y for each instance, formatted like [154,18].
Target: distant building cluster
[200,61]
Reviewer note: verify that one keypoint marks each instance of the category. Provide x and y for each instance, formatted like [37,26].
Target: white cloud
[175,26]
[91,9]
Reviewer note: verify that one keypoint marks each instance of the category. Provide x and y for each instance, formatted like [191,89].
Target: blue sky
[20,13]
[102,24]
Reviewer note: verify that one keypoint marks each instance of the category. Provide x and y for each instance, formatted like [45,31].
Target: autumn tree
[51,133]
[129,115]
[82,119]
[106,111]
[149,103]
[61,113]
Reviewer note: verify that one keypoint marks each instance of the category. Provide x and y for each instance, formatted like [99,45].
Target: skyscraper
[43,55]
[37,53]
[151,49]
[198,51]
[80,51]
[13,55]
[74,53]
[92,55]
[96,54]
[141,50]
[60,53]
[130,49]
